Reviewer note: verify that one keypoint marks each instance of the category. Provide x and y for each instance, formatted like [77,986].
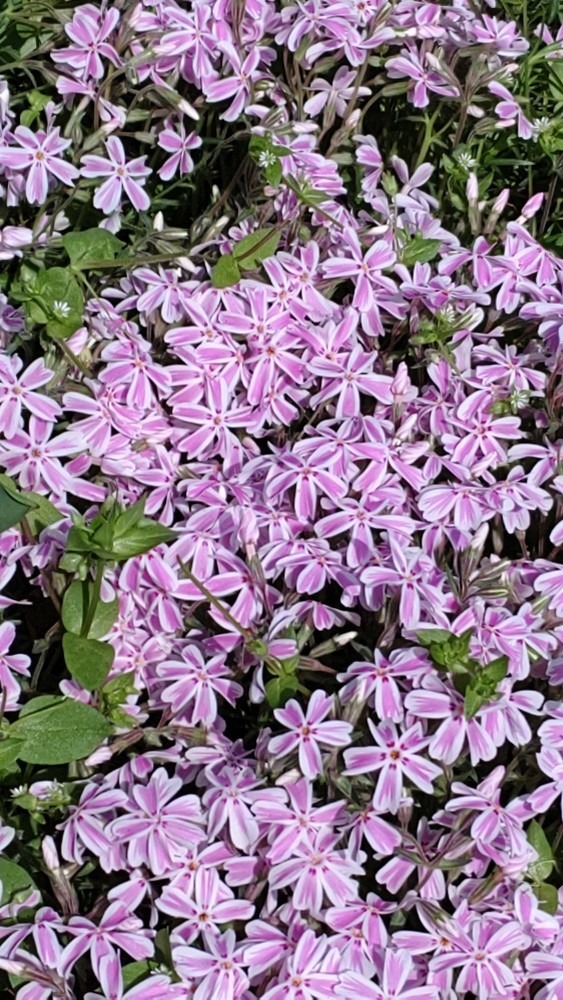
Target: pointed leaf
[88,660]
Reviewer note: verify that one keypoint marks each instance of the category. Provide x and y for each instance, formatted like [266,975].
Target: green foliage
[247,255]
[89,245]
[268,156]
[52,298]
[542,867]
[87,660]
[13,880]
[113,696]
[113,535]
[419,251]
[59,733]
[450,653]
[16,504]
[482,687]
[76,602]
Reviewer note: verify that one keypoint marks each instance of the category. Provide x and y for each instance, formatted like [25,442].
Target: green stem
[94,600]
[246,634]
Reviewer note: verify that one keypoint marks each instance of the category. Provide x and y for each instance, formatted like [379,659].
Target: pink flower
[208,905]
[398,969]
[123,177]
[219,969]
[317,871]
[17,393]
[310,973]
[309,733]
[485,956]
[111,981]
[117,929]
[16,662]
[39,155]
[178,143]
[192,685]
[34,458]
[89,30]
[156,831]
[396,758]
[291,824]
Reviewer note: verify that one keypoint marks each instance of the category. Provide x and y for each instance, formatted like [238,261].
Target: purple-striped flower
[123,178]
[309,732]
[39,154]
[396,757]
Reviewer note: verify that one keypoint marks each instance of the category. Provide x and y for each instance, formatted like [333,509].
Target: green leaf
[143,537]
[75,606]
[41,701]
[226,272]
[88,660]
[540,869]
[258,246]
[135,972]
[114,694]
[547,897]
[420,251]
[280,689]
[9,752]
[483,686]
[11,510]
[91,244]
[129,518]
[13,879]
[55,300]
[473,701]
[39,511]
[65,732]
[431,635]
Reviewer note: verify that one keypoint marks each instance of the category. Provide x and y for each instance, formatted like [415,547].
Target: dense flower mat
[281,477]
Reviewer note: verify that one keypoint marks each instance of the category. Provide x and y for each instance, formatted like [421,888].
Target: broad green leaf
[420,251]
[11,510]
[226,272]
[547,897]
[65,732]
[9,752]
[40,702]
[91,244]
[541,869]
[75,606]
[135,972]
[88,660]
[143,537]
[13,879]
[280,689]
[258,246]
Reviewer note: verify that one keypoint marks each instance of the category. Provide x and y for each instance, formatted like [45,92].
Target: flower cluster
[321,642]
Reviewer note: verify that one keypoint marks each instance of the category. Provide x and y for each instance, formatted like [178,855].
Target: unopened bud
[50,854]
[472,189]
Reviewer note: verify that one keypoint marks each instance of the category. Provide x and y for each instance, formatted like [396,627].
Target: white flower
[266,158]
[61,309]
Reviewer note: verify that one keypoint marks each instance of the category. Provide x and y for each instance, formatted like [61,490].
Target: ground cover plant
[281,500]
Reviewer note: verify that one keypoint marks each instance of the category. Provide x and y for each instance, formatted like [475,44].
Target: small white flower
[541,125]
[61,309]
[266,159]
[465,160]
